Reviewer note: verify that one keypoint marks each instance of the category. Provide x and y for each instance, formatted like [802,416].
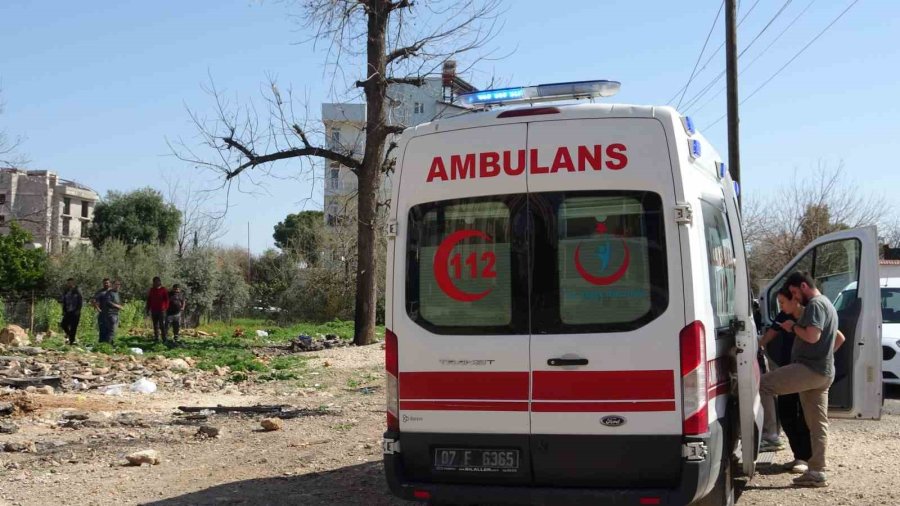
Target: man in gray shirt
[811,370]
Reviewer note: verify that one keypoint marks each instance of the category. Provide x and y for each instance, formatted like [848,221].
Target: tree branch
[254,160]
[405,52]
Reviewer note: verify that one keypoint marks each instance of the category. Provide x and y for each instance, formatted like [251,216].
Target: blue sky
[96,88]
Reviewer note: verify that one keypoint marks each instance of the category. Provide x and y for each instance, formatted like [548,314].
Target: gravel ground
[332,456]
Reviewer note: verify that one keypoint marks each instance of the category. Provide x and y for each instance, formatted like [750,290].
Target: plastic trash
[262,333]
[305,339]
[136,351]
[143,386]
[112,389]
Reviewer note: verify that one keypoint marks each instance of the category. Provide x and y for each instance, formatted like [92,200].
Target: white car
[890,331]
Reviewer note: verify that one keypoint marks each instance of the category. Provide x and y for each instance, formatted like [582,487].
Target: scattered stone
[209,431]
[140,458]
[14,335]
[45,390]
[178,364]
[8,428]
[76,415]
[19,447]
[305,343]
[6,408]
[271,424]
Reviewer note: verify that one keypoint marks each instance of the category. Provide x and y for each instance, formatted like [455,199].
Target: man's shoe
[811,479]
[796,466]
[771,445]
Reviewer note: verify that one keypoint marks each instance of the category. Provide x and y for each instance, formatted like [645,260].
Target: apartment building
[56,211]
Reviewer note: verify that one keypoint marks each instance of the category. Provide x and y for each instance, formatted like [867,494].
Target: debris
[209,431]
[26,447]
[238,332]
[143,386]
[14,335]
[178,364]
[143,457]
[76,415]
[305,343]
[262,333]
[112,389]
[259,408]
[271,424]
[136,351]
[39,381]
[8,428]
[6,408]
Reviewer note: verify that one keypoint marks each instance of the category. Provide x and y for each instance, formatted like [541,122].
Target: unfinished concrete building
[56,211]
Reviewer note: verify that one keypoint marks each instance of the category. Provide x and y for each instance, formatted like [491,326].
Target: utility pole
[731,71]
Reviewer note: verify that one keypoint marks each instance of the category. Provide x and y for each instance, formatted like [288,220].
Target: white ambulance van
[568,310]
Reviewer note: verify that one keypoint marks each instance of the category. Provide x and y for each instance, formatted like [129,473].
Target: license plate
[476,460]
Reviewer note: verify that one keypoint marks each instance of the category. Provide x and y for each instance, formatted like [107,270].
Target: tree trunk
[368,175]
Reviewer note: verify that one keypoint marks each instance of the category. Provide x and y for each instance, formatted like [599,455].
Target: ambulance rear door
[845,263]
[460,311]
[607,304]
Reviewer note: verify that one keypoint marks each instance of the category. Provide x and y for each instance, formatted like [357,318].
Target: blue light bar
[694,148]
[688,125]
[723,170]
[542,92]
[737,189]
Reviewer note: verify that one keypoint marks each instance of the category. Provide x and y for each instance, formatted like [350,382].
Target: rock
[8,428]
[178,364]
[222,371]
[271,424]
[140,458]
[6,408]
[45,390]
[19,447]
[76,415]
[209,431]
[14,335]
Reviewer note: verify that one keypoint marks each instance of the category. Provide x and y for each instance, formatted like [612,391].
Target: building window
[418,108]
[335,137]
[85,226]
[84,208]
[67,205]
[2,199]
[65,247]
[2,220]
[334,179]
[66,226]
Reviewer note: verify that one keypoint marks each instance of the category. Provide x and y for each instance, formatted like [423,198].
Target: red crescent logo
[442,260]
[602,280]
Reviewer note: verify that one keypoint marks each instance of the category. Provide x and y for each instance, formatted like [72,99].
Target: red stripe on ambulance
[604,385]
[511,386]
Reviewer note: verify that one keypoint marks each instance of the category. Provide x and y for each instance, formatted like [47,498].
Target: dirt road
[330,456]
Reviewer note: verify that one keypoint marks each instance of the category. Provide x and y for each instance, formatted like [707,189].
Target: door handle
[559,362]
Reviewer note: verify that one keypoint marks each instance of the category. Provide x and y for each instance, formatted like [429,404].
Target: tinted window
[720,264]
[890,305]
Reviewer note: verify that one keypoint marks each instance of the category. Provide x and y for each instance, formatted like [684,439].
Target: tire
[722,493]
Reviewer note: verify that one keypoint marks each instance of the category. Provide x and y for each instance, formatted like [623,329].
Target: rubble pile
[305,343]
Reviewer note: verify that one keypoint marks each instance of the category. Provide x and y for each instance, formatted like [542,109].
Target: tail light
[392,366]
[693,379]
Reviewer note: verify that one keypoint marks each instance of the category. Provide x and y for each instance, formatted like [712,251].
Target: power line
[757,57]
[693,101]
[706,63]
[699,56]
[804,48]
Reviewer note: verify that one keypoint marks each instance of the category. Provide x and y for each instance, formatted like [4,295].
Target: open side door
[845,267]
[750,413]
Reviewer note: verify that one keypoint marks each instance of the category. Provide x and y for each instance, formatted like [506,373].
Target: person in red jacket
[157,305]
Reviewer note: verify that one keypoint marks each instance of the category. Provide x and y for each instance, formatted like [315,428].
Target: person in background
[177,302]
[811,370]
[98,302]
[72,301]
[113,306]
[157,307]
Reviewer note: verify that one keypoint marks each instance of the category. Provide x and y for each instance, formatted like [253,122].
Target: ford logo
[613,420]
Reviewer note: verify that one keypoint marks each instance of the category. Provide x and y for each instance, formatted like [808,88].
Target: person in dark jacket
[72,301]
[157,306]
[177,302]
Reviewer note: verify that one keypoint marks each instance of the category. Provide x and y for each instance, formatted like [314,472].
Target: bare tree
[391,42]
[201,225]
[779,225]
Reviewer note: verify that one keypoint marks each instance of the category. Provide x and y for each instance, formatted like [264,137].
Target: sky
[97,90]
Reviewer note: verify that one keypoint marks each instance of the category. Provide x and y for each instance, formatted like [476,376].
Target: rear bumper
[697,477]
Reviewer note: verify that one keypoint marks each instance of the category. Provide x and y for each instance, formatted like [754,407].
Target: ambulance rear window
[459,265]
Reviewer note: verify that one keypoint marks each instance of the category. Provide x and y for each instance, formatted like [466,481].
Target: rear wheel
[722,493]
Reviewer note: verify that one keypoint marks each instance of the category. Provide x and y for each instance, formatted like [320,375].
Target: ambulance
[569,315]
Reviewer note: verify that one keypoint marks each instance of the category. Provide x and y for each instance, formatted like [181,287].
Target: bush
[48,315]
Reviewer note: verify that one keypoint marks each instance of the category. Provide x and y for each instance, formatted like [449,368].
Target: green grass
[224,349]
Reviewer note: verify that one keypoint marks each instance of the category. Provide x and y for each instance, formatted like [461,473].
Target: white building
[344,125]
[57,212]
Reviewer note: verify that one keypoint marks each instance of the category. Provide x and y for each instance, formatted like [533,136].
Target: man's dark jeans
[790,414]
[174,321]
[159,324]
[110,323]
[70,324]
